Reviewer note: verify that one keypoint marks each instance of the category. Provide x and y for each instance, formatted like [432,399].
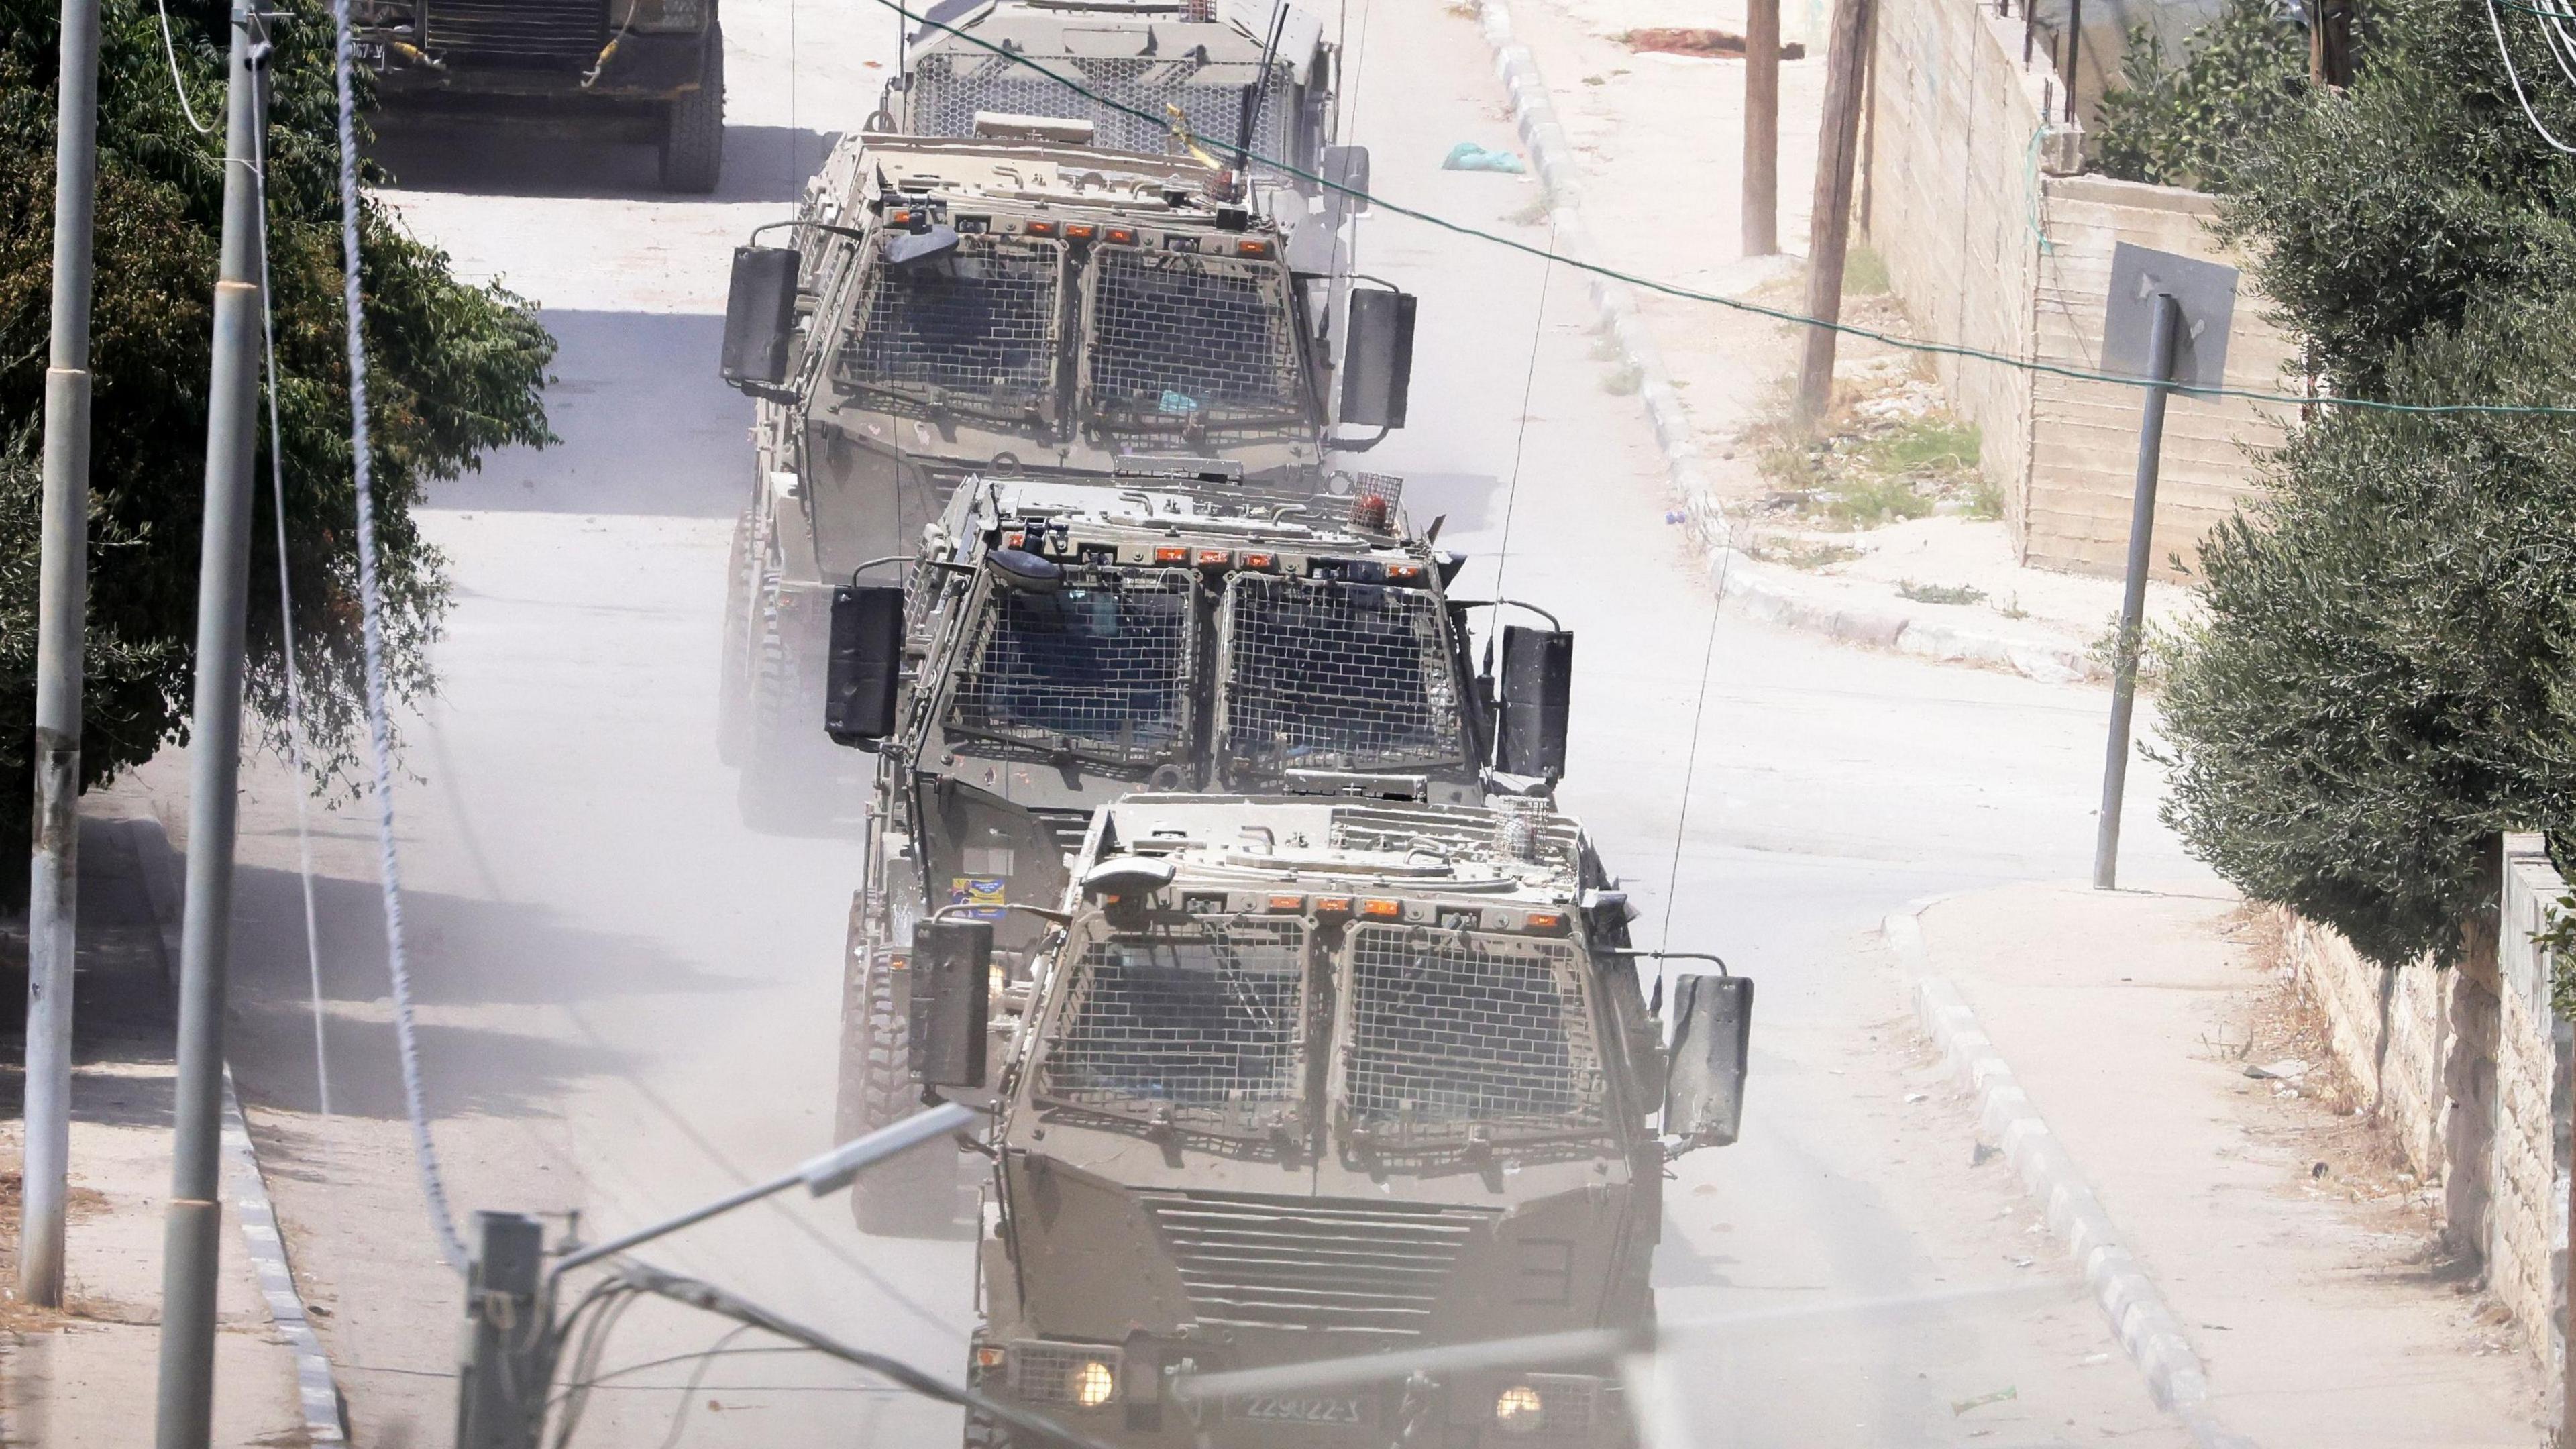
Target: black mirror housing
[865,664]
[1538,693]
[1377,361]
[952,973]
[912,248]
[1704,1084]
[760,316]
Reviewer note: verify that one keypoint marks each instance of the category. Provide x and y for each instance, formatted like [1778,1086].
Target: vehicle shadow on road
[502,156]
[647,426]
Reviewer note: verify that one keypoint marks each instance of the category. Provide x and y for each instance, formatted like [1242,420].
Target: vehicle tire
[733,672]
[693,127]
[914,1195]
[785,781]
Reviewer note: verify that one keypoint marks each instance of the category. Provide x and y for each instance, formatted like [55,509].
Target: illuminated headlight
[1093,1383]
[1083,1375]
[1519,1410]
[663,15]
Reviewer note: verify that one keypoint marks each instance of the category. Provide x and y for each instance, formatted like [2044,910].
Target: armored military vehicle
[1300,1080]
[1242,79]
[1018,306]
[652,69]
[1061,644]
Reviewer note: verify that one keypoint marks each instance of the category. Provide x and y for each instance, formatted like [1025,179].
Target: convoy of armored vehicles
[1202,852]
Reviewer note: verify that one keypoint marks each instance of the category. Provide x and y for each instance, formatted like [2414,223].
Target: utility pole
[1761,128]
[190,1243]
[2330,43]
[61,632]
[1829,222]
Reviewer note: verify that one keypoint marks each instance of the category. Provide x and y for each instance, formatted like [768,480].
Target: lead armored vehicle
[1062,644]
[650,69]
[1316,1080]
[1009,305]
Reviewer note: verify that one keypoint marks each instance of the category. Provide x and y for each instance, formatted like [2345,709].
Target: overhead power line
[1777,314]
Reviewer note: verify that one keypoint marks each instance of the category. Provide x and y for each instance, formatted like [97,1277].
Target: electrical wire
[2496,21]
[697,1376]
[1777,314]
[286,632]
[1690,763]
[371,622]
[1529,385]
[170,51]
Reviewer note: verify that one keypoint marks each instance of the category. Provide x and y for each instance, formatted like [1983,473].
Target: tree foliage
[2189,123]
[455,370]
[2384,681]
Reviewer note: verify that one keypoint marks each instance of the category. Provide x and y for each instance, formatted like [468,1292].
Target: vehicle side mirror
[866,658]
[1345,169]
[760,316]
[1538,691]
[1704,1083]
[1124,885]
[952,976]
[1377,360]
[912,248]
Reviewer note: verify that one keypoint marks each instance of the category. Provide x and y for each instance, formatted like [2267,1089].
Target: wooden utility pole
[1761,127]
[2330,43]
[1829,223]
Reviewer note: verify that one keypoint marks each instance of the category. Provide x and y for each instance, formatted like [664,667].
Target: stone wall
[1990,245]
[2470,1071]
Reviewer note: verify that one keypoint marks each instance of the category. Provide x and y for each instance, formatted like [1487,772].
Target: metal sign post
[2166,323]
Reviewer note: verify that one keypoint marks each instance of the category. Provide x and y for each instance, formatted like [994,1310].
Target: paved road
[628,997]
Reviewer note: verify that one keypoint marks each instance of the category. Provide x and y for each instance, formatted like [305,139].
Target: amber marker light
[1382,909]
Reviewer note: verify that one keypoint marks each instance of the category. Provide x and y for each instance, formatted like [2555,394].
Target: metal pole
[2133,596]
[1761,127]
[62,606]
[189,1260]
[2074,53]
[502,1383]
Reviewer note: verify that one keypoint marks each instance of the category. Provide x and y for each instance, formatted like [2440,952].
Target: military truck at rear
[1320,1080]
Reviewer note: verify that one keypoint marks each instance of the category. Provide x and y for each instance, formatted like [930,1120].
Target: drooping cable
[1529,383]
[2505,53]
[371,622]
[286,634]
[170,52]
[1690,762]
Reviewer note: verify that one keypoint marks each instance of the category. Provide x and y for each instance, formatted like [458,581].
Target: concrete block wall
[1989,245]
[2084,454]
[1953,114]
[2470,1070]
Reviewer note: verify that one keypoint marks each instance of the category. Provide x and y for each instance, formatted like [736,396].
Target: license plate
[1299,1409]
[369,53]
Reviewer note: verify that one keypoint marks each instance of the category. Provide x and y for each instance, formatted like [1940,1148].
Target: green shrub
[2190,124]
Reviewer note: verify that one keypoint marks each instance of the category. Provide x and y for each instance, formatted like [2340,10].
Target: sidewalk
[1656,140]
[2304,1270]
[85,1378]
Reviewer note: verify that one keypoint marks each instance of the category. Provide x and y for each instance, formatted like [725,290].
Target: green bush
[2190,124]
[457,370]
[2388,676]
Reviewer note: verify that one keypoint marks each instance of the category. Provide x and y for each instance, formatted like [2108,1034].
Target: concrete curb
[1762,590]
[164,884]
[2147,1329]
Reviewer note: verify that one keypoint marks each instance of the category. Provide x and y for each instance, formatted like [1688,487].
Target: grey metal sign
[2207,293]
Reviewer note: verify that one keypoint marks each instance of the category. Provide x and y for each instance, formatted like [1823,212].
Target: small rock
[2287,1069]
[1918,1096]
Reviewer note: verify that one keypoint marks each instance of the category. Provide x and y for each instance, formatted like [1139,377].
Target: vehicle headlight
[1519,1410]
[1093,1383]
[653,15]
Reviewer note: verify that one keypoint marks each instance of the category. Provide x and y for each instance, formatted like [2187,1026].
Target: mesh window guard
[1175,334]
[1100,668]
[1336,676]
[947,91]
[1447,1033]
[1208,1023]
[981,323]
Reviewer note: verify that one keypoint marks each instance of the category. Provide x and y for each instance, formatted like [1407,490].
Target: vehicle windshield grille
[1334,676]
[1207,1025]
[1126,105]
[1446,1034]
[1100,668]
[980,323]
[1174,335]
